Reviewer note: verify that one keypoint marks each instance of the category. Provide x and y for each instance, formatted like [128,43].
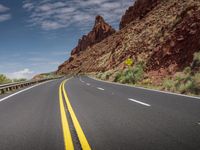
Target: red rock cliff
[100,31]
[137,11]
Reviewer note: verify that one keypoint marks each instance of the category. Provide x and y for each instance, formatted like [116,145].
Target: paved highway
[83,113]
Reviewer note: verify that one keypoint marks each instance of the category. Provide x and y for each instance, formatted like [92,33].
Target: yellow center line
[66,131]
[84,143]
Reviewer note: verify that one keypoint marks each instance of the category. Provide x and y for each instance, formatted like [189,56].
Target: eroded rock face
[100,31]
[177,52]
[137,11]
[165,44]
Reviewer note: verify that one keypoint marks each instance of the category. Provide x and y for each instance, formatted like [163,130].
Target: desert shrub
[130,75]
[187,70]
[196,83]
[184,83]
[186,86]
[104,76]
[196,60]
[117,76]
[169,85]
[99,75]
[127,76]
[146,81]
[197,57]
[138,71]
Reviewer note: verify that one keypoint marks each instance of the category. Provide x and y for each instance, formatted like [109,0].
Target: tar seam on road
[65,125]
[81,136]
[139,102]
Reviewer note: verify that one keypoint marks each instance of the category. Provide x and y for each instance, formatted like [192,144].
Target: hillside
[162,34]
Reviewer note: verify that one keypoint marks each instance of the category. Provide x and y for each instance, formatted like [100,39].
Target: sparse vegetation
[46,76]
[131,75]
[4,79]
[104,76]
[19,80]
[196,60]
[185,82]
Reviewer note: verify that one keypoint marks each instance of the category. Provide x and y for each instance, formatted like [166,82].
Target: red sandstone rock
[100,31]
[137,11]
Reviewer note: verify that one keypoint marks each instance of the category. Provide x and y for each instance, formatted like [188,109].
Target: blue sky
[38,35]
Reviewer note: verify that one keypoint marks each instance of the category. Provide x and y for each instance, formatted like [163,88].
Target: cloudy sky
[38,35]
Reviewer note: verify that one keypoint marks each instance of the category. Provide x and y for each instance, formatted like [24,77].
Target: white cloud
[4,15]
[42,61]
[52,15]
[28,6]
[25,73]
[3,8]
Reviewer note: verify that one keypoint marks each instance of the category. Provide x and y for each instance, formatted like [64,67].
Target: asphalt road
[31,120]
[92,114]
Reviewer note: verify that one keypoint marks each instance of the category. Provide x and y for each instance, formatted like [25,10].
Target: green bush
[187,70]
[196,83]
[196,60]
[130,75]
[99,75]
[169,85]
[184,83]
[186,86]
[106,75]
[118,76]
[19,80]
[4,79]
[197,57]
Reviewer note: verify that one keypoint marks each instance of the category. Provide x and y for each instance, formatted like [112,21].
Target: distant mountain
[164,34]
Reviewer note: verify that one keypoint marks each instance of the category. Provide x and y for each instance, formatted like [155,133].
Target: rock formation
[137,11]
[164,34]
[100,31]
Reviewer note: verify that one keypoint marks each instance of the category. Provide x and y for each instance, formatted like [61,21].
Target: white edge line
[81,80]
[139,102]
[88,84]
[170,93]
[23,90]
[100,88]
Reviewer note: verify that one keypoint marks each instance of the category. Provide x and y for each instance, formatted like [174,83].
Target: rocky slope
[164,34]
[137,11]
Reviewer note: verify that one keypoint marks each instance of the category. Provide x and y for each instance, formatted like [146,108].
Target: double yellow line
[65,125]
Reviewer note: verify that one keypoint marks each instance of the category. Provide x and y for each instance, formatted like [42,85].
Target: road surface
[83,113]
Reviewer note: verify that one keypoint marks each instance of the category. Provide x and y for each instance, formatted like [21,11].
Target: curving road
[90,114]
